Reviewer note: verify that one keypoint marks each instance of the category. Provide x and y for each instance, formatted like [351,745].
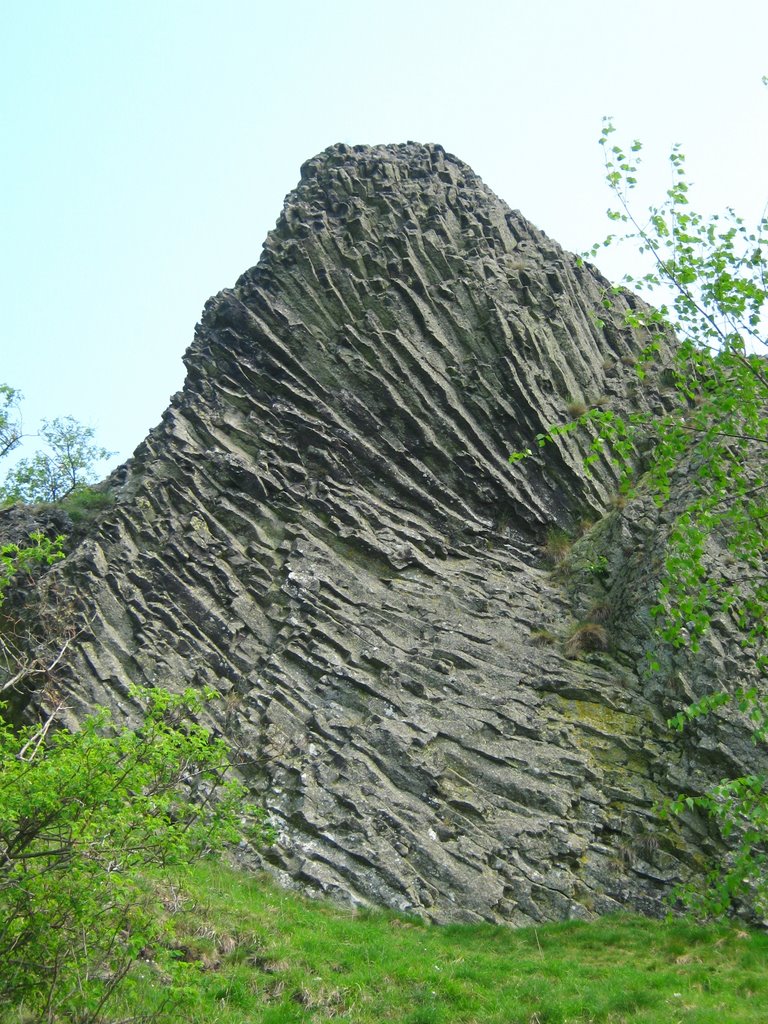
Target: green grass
[84,503]
[253,953]
[557,546]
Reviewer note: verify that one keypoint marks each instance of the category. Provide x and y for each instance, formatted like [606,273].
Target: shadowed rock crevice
[326,528]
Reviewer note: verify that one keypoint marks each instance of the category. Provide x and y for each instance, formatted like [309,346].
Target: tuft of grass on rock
[585,639]
[543,637]
[576,407]
[599,612]
[85,503]
[557,546]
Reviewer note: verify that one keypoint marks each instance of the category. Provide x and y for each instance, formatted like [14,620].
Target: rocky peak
[325,527]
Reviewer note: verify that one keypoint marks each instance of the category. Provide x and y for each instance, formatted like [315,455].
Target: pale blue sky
[148,146]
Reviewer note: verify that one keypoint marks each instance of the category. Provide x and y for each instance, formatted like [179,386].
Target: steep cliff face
[325,527]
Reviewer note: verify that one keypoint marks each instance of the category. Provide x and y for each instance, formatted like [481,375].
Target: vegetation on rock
[65,465]
[587,637]
[708,275]
[10,420]
[84,814]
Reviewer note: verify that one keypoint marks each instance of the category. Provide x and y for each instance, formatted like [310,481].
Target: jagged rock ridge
[325,526]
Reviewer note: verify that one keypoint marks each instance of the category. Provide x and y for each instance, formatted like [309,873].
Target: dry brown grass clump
[576,407]
[599,613]
[586,638]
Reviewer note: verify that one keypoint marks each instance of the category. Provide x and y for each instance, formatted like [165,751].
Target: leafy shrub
[82,815]
[16,560]
[30,647]
[598,567]
[68,461]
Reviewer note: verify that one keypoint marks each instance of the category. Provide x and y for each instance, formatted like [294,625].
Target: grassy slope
[253,953]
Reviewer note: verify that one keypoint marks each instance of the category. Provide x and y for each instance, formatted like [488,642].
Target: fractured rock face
[325,527]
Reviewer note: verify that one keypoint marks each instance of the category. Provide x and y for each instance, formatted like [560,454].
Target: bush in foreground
[82,816]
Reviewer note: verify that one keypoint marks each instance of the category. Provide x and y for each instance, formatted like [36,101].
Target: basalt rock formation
[326,527]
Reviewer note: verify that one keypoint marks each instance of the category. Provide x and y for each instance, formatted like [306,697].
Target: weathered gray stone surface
[325,526]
